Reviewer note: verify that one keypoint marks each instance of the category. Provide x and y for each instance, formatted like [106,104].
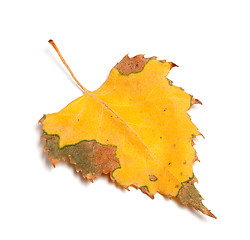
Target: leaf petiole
[67,66]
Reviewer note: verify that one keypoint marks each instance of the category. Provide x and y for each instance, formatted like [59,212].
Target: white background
[209,40]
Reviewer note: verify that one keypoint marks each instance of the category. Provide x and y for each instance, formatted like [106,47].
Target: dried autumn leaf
[135,127]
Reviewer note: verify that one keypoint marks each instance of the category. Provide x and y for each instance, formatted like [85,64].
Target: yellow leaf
[141,117]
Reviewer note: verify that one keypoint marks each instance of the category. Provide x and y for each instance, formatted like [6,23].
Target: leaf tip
[190,196]
[208,213]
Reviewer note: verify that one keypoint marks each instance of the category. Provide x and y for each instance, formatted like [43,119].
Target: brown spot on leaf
[132,65]
[90,158]
[135,64]
[153,178]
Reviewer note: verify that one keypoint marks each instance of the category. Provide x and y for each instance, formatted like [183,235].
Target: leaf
[135,127]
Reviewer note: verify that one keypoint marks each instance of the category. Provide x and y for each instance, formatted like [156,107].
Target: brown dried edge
[144,189]
[188,191]
[117,66]
[111,174]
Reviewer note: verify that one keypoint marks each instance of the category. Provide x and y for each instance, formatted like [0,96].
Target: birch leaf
[135,128]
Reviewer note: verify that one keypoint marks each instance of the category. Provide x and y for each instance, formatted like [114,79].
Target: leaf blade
[145,118]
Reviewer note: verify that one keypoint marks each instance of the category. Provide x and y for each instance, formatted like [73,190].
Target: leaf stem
[67,66]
